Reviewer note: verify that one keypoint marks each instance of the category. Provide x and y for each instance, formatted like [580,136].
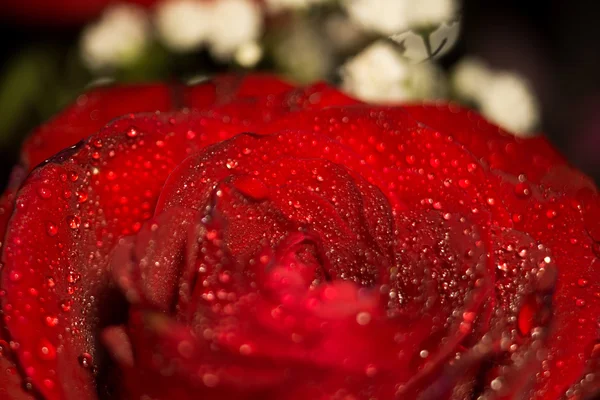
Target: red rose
[268,242]
[57,12]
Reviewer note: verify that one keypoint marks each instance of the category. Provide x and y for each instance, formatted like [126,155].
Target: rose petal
[462,168]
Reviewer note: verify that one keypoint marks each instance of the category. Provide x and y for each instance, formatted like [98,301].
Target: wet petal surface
[268,238]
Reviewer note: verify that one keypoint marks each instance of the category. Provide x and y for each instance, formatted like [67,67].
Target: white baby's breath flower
[183,25]
[234,24]
[420,13]
[471,78]
[117,39]
[509,101]
[503,97]
[385,17]
[380,74]
[249,54]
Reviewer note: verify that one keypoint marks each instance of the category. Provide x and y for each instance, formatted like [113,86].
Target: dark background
[553,43]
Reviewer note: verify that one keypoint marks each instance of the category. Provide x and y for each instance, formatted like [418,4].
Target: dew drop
[27,385]
[185,349]
[132,132]
[210,380]
[522,190]
[363,318]
[371,370]
[73,277]
[14,276]
[245,349]
[51,321]
[49,383]
[44,192]
[51,229]
[551,214]
[231,164]
[46,350]
[66,305]
[82,197]
[85,360]
[464,183]
[582,282]
[496,384]
[73,221]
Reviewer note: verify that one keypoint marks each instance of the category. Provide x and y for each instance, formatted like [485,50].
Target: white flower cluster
[381,74]
[424,28]
[388,17]
[230,29]
[504,97]
[225,26]
[117,39]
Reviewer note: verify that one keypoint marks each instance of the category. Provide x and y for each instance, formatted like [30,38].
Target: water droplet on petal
[522,190]
[14,276]
[44,192]
[210,380]
[51,320]
[371,370]
[46,350]
[49,384]
[464,183]
[51,229]
[363,318]
[85,360]
[82,197]
[132,132]
[66,305]
[73,221]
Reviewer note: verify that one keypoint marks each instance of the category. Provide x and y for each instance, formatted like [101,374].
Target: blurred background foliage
[525,65]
